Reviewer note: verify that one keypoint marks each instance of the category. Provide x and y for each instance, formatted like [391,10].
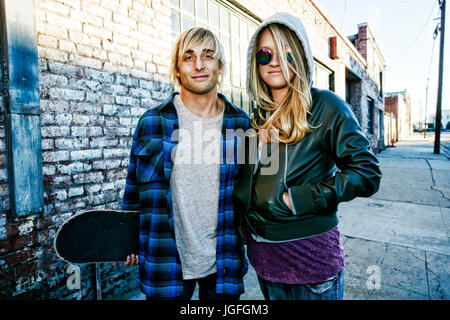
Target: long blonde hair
[289,119]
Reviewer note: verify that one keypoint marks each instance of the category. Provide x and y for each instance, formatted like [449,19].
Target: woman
[322,158]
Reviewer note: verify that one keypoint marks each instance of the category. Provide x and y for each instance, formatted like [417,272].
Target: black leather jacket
[332,164]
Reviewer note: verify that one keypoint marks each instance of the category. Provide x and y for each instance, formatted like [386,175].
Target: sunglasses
[264,56]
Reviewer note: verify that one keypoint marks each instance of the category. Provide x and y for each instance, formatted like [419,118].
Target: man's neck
[206,105]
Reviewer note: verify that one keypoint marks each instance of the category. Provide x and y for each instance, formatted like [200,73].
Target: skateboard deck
[96,236]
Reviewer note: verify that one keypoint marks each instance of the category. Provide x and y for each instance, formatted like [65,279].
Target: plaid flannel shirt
[147,189]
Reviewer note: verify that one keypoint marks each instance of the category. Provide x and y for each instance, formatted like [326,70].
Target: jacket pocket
[149,161]
[282,189]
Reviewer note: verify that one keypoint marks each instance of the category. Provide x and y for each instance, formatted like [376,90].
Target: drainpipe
[21,106]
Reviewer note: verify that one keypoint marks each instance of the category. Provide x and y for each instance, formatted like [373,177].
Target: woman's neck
[278,95]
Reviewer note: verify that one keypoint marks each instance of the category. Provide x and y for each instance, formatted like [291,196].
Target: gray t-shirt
[195,187]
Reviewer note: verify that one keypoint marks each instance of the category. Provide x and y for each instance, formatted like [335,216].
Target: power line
[343,15]
[415,40]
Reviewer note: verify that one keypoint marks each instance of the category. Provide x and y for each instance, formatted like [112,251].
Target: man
[182,183]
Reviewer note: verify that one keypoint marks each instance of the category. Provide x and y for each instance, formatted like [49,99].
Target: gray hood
[295,25]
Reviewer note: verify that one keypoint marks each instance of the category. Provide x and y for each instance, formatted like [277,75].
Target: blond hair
[190,38]
[289,119]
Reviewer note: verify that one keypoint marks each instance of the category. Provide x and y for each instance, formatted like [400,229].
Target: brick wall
[102,64]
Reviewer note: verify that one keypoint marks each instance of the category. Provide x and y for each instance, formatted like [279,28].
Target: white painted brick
[53,131]
[95,131]
[53,54]
[115,89]
[93,188]
[115,153]
[69,144]
[79,119]
[47,41]
[106,164]
[47,144]
[59,21]
[65,69]
[48,170]
[53,80]
[83,84]
[82,38]
[85,154]
[98,32]
[78,131]
[54,106]
[120,59]
[55,156]
[85,62]
[85,108]
[126,100]
[60,195]
[86,16]
[55,31]
[71,168]
[96,120]
[124,20]
[63,119]
[93,177]
[52,6]
[126,81]
[66,94]
[66,45]
[103,142]
[76,191]
[102,77]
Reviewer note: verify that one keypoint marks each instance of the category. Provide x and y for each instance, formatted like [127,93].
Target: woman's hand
[132,260]
[287,200]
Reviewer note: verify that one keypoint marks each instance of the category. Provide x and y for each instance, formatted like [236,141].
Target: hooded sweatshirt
[311,260]
[295,25]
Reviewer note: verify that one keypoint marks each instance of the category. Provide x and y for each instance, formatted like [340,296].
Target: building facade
[398,107]
[98,65]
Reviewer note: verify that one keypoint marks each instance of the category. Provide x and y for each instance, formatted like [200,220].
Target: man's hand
[287,200]
[132,260]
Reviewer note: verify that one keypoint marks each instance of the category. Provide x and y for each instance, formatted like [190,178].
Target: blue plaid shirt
[147,189]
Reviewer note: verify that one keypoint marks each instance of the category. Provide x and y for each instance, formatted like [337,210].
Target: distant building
[364,88]
[398,107]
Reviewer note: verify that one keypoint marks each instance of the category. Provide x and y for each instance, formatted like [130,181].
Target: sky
[404,31]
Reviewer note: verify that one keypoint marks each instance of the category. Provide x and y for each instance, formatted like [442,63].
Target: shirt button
[224,272]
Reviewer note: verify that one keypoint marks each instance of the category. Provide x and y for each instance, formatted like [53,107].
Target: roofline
[328,18]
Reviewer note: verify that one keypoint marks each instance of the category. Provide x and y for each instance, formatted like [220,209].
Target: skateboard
[96,236]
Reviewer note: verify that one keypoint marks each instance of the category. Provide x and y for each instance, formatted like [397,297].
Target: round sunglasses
[264,55]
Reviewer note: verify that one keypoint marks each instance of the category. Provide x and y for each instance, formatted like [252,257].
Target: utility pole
[437,139]
[425,120]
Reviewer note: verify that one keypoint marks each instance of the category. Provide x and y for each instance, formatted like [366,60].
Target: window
[321,76]
[233,27]
[331,86]
[370,107]
[380,124]
[381,84]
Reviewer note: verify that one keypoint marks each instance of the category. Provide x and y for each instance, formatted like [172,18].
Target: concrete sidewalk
[397,241]
[400,235]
